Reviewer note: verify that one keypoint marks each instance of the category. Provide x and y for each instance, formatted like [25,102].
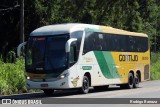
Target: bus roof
[68,27]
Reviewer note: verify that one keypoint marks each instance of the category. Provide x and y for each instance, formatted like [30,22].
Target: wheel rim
[85,84]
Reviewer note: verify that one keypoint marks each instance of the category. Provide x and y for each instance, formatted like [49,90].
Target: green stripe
[102,63]
[111,64]
[106,64]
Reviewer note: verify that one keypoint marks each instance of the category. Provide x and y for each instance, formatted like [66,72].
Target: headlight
[28,78]
[63,75]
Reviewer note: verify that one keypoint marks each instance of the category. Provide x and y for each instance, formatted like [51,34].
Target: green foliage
[12,78]
[155,68]
[133,15]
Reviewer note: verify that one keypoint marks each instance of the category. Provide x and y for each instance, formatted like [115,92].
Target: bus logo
[128,58]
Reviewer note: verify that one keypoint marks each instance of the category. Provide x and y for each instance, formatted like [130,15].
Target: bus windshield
[46,53]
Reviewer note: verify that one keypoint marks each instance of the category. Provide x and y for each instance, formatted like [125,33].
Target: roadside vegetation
[155,66]
[12,77]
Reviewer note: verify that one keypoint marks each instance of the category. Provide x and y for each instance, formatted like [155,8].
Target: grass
[155,66]
[12,78]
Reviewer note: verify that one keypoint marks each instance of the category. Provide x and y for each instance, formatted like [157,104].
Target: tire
[130,83]
[101,88]
[85,85]
[136,81]
[48,92]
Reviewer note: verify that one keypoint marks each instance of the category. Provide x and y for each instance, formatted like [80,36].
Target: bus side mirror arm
[68,44]
[20,47]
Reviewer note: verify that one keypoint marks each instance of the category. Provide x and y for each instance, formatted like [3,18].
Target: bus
[80,56]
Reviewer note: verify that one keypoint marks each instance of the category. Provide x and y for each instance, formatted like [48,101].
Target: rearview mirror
[68,44]
[19,48]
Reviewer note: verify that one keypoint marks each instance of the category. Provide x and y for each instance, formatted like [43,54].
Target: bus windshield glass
[46,53]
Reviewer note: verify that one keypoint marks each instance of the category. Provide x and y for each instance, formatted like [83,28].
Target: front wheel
[85,85]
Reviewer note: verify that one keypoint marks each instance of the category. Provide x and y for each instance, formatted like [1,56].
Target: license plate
[44,85]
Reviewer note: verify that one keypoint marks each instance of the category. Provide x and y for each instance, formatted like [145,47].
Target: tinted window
[47,54]
[35,52]
[113,42]
[56,56]
[78,35]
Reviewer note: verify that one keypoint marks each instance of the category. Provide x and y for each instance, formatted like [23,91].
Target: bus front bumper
[53,84]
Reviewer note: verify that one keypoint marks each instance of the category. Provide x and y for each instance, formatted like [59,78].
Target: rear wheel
[130,83]
[136,81]
[48,92]
[85,85]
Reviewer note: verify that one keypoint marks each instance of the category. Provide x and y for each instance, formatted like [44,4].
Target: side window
[117,43]
[78,35]
[134,44]
[72,55]
[142,44]
[89,42]
[131,44]
[101,45]
[94,41]
[107,42]
[114,42]
[123,43]
[146,44]
[138,44]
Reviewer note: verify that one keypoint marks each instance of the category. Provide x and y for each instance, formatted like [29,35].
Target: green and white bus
[79,56]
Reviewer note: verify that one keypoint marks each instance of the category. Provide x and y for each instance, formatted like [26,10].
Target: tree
[133,15]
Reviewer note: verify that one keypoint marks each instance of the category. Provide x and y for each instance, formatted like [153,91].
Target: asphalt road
[149,89]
